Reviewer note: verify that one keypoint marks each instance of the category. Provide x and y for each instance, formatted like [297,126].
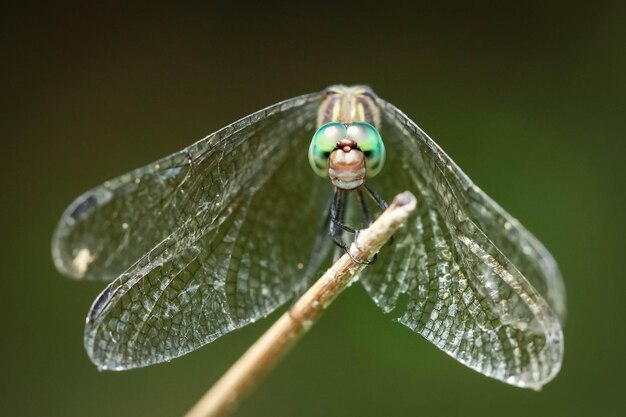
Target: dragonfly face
[347,152]
[201,242]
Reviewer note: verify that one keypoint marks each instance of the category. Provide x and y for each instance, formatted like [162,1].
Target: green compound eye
[322,144]
[370,143]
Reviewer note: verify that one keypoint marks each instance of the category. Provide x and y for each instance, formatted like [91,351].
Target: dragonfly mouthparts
[346,145]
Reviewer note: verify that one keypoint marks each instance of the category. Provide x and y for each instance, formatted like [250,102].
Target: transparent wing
[240,226]
[108,228]
[463,273]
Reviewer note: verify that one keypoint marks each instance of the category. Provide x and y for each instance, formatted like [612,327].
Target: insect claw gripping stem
[356,261]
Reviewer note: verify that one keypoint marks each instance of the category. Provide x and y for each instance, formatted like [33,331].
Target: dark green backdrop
[528,99]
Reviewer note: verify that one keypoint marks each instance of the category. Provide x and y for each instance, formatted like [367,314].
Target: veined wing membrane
[211,277]
[108,228]
[444,277]
[525,251]
[226,265]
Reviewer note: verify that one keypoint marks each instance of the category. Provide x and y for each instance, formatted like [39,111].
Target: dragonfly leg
[344,228]
[377,198]
[380,201]
[367,218]
[337,227]
[366,214]
[337,214]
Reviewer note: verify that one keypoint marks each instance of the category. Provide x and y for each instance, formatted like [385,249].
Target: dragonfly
[222,233]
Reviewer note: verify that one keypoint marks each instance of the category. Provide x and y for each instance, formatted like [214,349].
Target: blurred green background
[527,99]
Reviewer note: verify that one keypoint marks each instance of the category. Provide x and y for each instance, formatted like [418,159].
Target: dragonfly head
[347,153]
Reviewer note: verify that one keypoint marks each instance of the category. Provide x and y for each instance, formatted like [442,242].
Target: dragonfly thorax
[349,104]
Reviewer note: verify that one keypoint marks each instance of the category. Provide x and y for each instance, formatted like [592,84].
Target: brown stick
[223,397]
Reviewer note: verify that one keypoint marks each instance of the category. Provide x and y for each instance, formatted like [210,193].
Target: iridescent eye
[323,143]
[371,144]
